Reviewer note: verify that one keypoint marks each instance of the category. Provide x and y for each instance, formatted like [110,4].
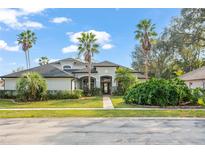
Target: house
[1,84]
[70,74]
[195,78]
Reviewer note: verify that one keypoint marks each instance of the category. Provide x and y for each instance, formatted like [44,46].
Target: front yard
[101,113]
[118,102]
[85,102]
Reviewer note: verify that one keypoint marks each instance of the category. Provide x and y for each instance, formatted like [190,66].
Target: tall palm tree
[145,33]
[88,47]
[43,60]
[27,39]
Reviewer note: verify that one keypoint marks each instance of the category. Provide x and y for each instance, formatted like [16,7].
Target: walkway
[107,103]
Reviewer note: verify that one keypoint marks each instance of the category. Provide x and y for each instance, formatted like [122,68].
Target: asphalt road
[102,131]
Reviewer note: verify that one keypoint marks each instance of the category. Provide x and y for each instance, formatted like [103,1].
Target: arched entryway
[106,84]
[84,82]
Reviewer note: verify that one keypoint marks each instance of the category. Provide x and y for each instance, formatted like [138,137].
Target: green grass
[91,102]
[101,113]
[118,102]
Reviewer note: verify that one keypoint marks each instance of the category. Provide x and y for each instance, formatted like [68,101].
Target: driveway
[102,131]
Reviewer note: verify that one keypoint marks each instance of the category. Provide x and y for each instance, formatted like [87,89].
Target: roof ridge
[193,71]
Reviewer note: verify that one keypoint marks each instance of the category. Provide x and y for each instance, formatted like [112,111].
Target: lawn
[118,102]
[86,102]
[101,113]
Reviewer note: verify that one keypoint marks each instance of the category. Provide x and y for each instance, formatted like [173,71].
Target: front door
[106,89]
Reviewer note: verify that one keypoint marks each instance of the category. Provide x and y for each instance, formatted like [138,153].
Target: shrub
[31,87]
[201,101]
[125,80]
[158,92]
[8,94]
[93,92]
[64,94]
[196,94]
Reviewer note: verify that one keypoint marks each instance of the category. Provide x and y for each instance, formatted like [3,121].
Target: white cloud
[71,48]
[103,38]
[59,20]
[50,60]
[32,10]
[6,47]
[32,24]
[107,46]
[12,18]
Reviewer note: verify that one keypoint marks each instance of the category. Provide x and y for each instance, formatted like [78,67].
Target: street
[118,131]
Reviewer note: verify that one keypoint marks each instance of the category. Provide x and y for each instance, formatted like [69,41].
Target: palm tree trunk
[146,67]
[89,76]
[29,63]
[26,60]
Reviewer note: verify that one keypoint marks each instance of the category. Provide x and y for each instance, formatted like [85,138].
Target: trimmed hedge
[8,94]
[159,92]
[64,94]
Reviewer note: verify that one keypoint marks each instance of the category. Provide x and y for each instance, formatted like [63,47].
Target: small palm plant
[27,39]
[88,47]
[43,60]
[145,33]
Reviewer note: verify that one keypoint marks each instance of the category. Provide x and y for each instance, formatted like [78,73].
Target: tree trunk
[146,67]
[29,64]
[26,60]
[89,76]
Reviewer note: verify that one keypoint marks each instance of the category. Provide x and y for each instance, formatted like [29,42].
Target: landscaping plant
[159,92]
[31,87]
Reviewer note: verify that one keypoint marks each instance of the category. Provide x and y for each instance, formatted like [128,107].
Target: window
[190,84]
[66,67]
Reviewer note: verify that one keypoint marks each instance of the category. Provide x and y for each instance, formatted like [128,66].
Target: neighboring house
[70,74]
[195,78]
[1,84]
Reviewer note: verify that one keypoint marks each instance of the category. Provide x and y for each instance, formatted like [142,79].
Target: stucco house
[70,74]
[195,78]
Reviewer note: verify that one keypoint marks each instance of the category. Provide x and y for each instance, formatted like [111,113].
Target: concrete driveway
[102,131]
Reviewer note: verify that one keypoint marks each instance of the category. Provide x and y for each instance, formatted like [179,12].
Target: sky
[57,30]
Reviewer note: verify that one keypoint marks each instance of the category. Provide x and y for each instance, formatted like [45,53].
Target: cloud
[50,60]
[6,47]
[107,46]
[32,24]
[59,20]
[13,18]
[71,48]
[1,59]
[103,38]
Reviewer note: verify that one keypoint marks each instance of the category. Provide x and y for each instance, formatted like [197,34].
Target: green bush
[31,87]
[93,92]
[64,94]
[158,92]
[8,94]
[196,94]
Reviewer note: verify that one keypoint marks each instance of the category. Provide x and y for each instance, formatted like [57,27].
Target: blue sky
[57,29]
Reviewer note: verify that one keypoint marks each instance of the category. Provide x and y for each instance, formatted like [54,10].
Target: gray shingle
[48,70]
[194,75]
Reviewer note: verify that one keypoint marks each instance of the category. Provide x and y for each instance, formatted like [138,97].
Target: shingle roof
[52,69]
[48,70]
[194,75]
[105,64]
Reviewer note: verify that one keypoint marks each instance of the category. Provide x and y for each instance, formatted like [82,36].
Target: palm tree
[27,39]
[145,33]
[88,46]
[43,60]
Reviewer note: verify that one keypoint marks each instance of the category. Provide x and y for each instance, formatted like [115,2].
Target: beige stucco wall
[59,83]
[102,71]
[53,83]
[195,83]
[10,84]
